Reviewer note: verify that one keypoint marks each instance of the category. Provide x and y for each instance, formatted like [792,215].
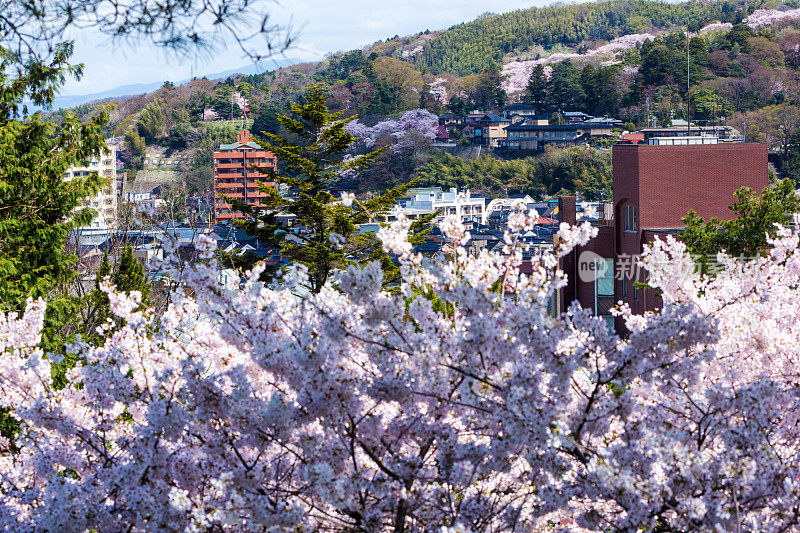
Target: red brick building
[235,177]
[655,186]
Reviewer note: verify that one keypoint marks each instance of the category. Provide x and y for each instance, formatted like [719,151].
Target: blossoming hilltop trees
[419,121]
[356,409]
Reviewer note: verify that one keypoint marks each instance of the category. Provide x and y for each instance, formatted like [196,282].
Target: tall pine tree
[313,157]
[537,88]
[38,208]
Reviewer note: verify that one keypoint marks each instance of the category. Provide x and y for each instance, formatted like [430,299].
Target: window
[624,288]
[630,218]
[604,282]
[604,290]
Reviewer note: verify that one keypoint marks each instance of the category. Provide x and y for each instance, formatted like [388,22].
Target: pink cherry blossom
[454,402]
[420,121]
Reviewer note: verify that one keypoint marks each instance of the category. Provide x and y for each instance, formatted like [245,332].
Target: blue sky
[325,26]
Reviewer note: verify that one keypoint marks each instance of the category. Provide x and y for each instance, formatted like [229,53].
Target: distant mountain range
[73,100]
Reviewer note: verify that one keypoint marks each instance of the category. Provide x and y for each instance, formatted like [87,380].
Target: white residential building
[105,202]
[425,201]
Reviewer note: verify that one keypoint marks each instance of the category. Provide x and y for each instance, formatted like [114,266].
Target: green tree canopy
[746,234]
[537,88]
[151,121]
[267,119]
[313,157]
[38,208]
[565,86]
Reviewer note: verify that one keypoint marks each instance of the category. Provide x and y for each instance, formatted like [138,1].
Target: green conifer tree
[128,276]
[38,208]
[537,88]
[314,158]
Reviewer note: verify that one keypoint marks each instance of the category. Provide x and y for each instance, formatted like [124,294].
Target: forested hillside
[474,46]
[744,71]
[579,169]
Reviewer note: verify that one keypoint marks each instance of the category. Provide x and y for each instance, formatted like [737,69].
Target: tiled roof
[234,146]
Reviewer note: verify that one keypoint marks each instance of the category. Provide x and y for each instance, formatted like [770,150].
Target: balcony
[222,166]
[228,186]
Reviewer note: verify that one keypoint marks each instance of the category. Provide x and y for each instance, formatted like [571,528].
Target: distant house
[631,138]
[143,191]
[424,201]
[451,120]
[486,129]
[473,117]
[722,134]
[542,119]
[520,111]
[605,120]
[442,136]
[526,136]
[573,117]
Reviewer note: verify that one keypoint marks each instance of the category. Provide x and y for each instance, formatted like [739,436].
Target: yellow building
[104,203]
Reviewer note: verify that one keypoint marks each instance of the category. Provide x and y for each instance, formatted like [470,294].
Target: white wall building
[425,201]
[509,204]
[105,202]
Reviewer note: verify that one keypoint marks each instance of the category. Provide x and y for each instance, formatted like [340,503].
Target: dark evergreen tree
[458,106]
[489,94]
[565,86]
[739,35]
[607,97]
[127,275]
[384,100]
[266,120]
[659,65]
[588,80]
[537,88]
[698,51]
[38,208]
[311,165]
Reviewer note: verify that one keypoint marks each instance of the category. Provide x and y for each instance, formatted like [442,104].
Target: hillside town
[533,271]
[713,162]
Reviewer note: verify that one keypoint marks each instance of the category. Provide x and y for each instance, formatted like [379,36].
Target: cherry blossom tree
[419,121]
[457,402]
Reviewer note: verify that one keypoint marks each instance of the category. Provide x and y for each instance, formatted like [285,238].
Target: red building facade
[655,186]
[235,177]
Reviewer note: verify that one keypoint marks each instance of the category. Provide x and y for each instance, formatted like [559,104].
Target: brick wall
[672,180]
[665,182]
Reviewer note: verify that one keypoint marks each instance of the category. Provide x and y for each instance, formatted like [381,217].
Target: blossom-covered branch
[454,402]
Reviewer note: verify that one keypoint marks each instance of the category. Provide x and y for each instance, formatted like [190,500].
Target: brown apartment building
[655,186]
[235,177]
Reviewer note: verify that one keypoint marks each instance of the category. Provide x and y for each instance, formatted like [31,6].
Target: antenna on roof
[688,83]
